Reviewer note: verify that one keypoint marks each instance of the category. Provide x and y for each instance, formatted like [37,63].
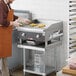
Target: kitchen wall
[49,9]
[54,9]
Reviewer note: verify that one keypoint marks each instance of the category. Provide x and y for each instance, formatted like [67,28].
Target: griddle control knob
[23,34]
[37,36]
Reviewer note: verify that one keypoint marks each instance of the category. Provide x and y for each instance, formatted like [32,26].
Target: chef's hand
[20,21]
[23,20]
[0,25]
[14,23]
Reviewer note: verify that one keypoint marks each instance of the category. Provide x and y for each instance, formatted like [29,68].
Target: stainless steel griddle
[36,35]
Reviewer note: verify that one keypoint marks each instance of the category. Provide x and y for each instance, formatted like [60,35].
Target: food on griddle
[33,24]
[41,25]
[22,24]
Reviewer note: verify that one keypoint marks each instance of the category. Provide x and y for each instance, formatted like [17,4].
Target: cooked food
[21,23]
[41,25]
[33,24]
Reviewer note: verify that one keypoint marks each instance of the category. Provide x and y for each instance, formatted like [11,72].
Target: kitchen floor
[19,72]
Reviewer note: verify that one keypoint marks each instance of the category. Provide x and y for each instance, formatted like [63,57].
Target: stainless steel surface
[53,25]
[52,30]
[35,35]
[40,71]
[23,13]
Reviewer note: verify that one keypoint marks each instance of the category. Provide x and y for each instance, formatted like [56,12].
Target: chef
[7,21]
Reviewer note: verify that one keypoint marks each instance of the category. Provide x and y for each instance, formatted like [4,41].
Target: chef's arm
[14,23]
[17,20]
[0,25]
[11,23]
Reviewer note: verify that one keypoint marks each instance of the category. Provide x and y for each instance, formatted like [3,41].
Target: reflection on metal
[23,13]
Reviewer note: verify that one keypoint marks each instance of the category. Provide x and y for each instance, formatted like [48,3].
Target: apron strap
[9,7]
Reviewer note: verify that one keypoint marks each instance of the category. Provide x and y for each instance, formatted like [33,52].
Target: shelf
[73,19]
[72,31]
[39,47]
[72,14]
[72,44]
[31,47]
[73,23]
[72,26]
[73,37]
[72,10]
[72,1]
[74,47]
[72,50]
[72,41]
[73,5]
[39,71]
